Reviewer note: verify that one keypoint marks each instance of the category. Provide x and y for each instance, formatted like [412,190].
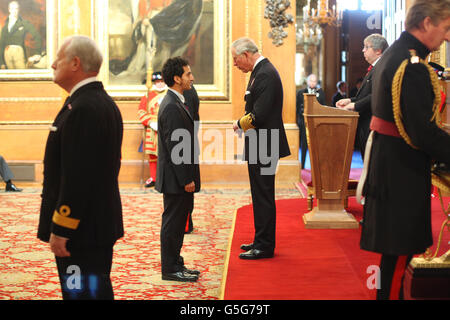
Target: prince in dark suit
[265,141]
[81,211]
[178,174]
[374,46]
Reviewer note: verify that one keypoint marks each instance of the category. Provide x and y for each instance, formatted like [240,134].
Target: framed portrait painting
[27,39]
[138,36]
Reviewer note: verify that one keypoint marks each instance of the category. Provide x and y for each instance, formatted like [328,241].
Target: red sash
[384,127]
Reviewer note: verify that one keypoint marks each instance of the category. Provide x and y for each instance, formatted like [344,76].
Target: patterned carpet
[28,270]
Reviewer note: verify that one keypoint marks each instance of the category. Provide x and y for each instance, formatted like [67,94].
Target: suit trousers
[262,188]
[5,172]
[303,143]
[85,275]
[362,135]
[176,210]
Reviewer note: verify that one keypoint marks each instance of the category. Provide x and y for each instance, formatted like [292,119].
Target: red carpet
[308,264]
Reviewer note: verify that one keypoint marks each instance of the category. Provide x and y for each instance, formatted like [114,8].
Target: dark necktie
[250,81]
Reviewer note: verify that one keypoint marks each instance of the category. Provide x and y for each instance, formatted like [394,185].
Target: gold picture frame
[32,61]
[445,57]
[206,45]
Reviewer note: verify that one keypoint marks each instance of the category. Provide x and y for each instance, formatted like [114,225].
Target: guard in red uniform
[148,115]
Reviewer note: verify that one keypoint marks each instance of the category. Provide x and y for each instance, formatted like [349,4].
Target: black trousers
[362,135]
[303,143]
[190,223]
[85,275]
[392,272]
[262,188]
[174,218]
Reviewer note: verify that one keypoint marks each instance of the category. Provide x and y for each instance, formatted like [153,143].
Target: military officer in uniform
[81,211]
[405,138]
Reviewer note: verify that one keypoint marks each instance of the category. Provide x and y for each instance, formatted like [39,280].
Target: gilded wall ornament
[276,12]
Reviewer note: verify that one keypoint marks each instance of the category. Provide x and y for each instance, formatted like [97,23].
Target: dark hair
[173,67]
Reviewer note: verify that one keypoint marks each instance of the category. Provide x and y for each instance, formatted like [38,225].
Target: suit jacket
[264,100]
[336,97]
[17,37]
[193,103]
[363,97]
[173,173]
[80,197]
[363,107]
[397,212]
[320,95]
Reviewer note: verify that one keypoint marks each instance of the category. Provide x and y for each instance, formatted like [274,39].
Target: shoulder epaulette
[396,93]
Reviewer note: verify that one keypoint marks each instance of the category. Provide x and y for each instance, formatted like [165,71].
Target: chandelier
[309,30]
[322,15]
[307,35]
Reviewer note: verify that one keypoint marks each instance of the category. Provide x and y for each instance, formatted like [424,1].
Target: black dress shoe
[150,184]
[181,276]
[247,247]
[254,254]
[191,271]
[10,187]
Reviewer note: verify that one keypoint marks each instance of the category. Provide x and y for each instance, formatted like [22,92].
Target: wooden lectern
[331,137]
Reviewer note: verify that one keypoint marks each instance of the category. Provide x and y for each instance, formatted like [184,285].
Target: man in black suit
[355,89]
[312,88]
[341,92]
[82,217]
[177,175]
[265,141]
[193,103]
[374,46]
